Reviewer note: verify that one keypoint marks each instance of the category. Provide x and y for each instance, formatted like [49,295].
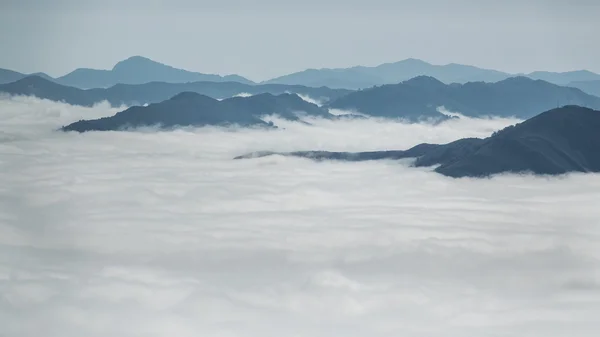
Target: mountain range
[133,70]
[9,76]
[154,92]
[140,70]
[421,97]
[564,78]
[364,77]
[590,87]
[193,109]
[413,100]
[557,141]
[390,73]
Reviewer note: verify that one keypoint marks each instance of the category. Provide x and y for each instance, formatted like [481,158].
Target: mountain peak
[517,79]
[420,97]
[33,79]
[556,117]
[424,80]
[558,141]
[137,58]
[135,61]
[414,61]
[187,95]
[37,81]
[193,109]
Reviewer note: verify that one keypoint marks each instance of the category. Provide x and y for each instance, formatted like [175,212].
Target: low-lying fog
[163,234]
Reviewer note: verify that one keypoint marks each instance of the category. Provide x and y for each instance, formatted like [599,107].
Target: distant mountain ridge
[420,97]
[564,78]
[361,77]
[415,100]
[554,142]
[9,76]
[139,70]
[133,70]
[591,87]
[153,92]
[193,109]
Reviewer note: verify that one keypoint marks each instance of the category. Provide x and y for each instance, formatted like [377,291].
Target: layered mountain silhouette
[139,70]
[193,109]
[419,98]
[154,92]
[134,70]
[557,141]
[565,77]
[590,87]
[39,87]
[388,73]
[361,77]
[8,76]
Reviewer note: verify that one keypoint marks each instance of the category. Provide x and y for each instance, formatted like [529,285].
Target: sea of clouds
[162,234]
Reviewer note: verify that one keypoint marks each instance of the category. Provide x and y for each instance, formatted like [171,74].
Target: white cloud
[243,94]
[310,99]
[162,234]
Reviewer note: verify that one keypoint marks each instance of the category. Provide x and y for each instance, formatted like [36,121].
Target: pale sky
[261,39]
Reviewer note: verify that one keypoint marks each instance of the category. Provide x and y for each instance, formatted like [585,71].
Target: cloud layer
[162,234]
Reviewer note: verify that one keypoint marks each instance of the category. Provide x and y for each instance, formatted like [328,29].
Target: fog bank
[163,234]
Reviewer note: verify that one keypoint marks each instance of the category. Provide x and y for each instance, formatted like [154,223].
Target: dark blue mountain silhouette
[193,109]
[557,141]
[421,97]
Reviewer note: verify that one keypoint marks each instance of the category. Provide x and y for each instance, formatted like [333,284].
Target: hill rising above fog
[557,141]
[193,109]
[419,98]
[414,100]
